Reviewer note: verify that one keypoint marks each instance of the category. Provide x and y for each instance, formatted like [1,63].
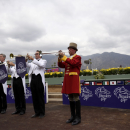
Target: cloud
[96,26]
[26,32]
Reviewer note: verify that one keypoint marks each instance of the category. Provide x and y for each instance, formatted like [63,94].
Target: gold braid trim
[73,73]
[64,58]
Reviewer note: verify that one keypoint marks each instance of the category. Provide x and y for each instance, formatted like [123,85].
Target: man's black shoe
[41,115]
[70,120]
[35,115]
[16,112]
[21,113]
[76,121]
[3,112]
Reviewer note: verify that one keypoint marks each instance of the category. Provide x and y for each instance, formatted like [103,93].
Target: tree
[54,64]
[90,63]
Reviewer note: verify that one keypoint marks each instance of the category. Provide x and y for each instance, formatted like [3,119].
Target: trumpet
[12,55]
[56,53]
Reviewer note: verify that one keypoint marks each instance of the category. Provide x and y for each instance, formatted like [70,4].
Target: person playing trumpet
[19,89]
[71,83]
[37,83]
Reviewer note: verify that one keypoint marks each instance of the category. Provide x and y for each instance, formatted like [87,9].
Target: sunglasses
[36,54]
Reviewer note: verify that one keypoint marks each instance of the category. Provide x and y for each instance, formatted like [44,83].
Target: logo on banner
[66,95]
[122,94]
[21,68]
[2,74]
[27,95]
[86,93]
[11,93]
[102,93]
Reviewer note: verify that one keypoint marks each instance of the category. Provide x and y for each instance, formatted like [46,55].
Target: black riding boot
[72,109]
[78,113]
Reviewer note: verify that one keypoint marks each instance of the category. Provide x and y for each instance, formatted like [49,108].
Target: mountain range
[99,61]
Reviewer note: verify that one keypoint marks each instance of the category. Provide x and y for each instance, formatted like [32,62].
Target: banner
[21,66]
[28,95]
[117,96]
[3,74]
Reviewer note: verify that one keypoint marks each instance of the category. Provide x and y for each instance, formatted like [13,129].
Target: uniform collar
[71,57]
[38,59]
[2,62]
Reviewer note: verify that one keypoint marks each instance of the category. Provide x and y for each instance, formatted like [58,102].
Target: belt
[72,73]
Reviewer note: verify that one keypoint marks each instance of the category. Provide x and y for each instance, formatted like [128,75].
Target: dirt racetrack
[93,118]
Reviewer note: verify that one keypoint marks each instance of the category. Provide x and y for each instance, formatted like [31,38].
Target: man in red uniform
[71,83]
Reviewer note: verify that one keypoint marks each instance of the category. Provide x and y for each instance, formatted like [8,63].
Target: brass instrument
[12,56]
[56,53]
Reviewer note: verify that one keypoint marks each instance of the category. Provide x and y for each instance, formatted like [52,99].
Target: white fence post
[46,92]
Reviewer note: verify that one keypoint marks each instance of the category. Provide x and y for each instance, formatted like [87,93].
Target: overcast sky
[97,26]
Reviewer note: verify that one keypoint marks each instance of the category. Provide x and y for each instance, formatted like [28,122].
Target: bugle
[12,55]
[56,53]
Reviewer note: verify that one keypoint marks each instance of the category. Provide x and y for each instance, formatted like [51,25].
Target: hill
[99,61]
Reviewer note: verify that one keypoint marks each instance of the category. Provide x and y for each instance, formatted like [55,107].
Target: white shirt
[14,74]
[37,67]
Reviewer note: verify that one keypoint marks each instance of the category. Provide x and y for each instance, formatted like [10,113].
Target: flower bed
[110,71]
[54,74]
[115,71]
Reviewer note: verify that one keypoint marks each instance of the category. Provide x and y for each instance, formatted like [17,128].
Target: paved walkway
[93,118]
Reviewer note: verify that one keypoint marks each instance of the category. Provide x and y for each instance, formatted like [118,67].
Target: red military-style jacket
[71,83]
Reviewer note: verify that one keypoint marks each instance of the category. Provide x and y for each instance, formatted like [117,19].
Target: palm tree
[90,63]
[54,64]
